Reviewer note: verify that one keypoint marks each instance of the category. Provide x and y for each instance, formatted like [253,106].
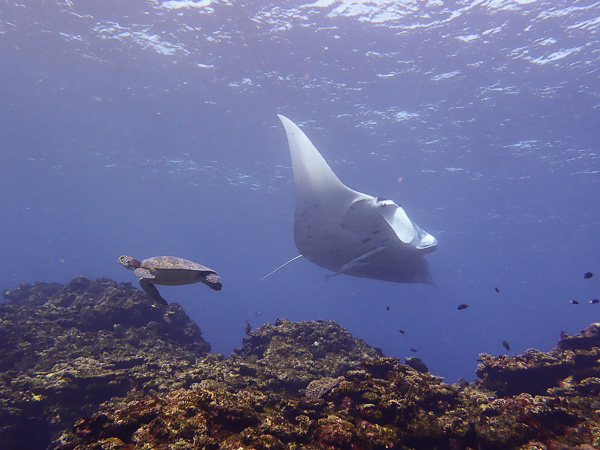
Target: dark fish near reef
[414,350]
[401,331]
[575,302]
[506,346]
[462,306]
[588,275]
[594,301]
[496,289]
[417,364]
[387,307]
[248,327]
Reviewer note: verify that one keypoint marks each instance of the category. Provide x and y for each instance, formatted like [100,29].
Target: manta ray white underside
[349,232]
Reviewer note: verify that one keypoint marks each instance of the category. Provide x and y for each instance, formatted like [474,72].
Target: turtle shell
[174,271]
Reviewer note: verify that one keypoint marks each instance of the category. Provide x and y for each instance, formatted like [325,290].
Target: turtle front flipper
[152,292]
[143,273]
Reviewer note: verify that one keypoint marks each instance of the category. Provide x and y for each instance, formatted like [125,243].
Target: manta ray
[348,232]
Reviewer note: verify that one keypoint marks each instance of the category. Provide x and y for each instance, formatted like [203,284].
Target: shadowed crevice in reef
[96,364]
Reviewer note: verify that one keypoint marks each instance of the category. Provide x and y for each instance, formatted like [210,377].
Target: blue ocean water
[149,128]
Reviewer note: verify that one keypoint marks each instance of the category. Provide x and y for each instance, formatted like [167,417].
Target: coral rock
[66,349]
[97,365]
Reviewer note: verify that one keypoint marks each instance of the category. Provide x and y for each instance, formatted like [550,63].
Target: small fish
[401,331]
[416,364]
[462,306]
[506,346]
[414,350]
[387,307]
[594,301]
[496,289]
[588,275]
[258,313]
[248,327]
[575,302]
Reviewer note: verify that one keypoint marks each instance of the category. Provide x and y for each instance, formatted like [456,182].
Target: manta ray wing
[349,232]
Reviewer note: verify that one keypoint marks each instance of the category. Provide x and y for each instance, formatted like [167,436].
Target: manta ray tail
[280,267]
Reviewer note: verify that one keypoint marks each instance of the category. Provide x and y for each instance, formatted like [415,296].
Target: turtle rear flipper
[152,292]
[211,279]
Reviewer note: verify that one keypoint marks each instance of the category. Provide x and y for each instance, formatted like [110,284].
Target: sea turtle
[169,271]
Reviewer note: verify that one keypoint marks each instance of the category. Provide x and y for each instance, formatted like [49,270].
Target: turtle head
[213,281]
[128,262]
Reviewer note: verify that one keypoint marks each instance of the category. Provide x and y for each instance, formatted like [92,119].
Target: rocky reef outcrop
[97,365]
[572,367]
[380,404]
[287,356]
[66,349]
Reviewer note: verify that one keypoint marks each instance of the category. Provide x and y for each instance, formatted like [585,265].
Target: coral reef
[381,404]
[572,362]
[98,365]
[288,356]
[66,349]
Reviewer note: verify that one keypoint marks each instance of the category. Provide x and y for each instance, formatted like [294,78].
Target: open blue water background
[149,128]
